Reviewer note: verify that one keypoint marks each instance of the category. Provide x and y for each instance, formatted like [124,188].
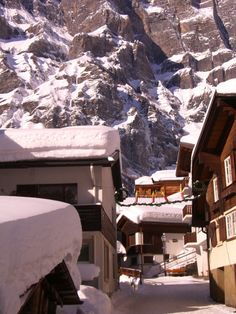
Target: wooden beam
[228,105]
[210,160]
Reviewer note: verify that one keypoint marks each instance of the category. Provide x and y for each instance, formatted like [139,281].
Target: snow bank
[88,271]
[70,143]
[95,301]
[35,236]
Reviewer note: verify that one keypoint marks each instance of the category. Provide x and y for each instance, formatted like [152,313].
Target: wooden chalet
[143,237]
[159,185]
[213,167]
[152,243]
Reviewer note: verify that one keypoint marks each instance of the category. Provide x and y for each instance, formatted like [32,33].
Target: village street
[167,295]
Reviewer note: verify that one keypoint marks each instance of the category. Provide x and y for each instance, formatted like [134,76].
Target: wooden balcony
[229,191]
[94,218]
[187,214]
[190,239]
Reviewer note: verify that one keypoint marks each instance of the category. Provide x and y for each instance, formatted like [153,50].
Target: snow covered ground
[166,295]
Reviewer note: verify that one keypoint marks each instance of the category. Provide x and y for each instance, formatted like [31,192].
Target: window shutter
[212,233]
[215,189]
[233,163]
[222,228]
[228,170]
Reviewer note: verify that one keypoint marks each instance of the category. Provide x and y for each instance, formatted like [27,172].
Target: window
[134,261]
[148,259]
[215,189]
[231,225]
[60,192]
[228,171]
[87,251]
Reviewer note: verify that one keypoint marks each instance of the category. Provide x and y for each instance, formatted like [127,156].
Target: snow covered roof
[191,138]
[35,236]
[158,176]
[227,87]
[165,213]
[145,180]
[65,143]
[163,175]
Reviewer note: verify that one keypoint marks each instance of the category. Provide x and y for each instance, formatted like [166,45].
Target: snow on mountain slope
[144,67]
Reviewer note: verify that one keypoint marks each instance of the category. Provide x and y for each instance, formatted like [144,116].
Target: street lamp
[163,239]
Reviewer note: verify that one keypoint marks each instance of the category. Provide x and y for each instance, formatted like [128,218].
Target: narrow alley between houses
[165,295]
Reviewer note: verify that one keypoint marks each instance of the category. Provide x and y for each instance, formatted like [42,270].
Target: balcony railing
[187,210]
[190,237]
[187,214]
[94,218]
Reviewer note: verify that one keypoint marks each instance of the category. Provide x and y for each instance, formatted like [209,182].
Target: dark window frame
[35,190]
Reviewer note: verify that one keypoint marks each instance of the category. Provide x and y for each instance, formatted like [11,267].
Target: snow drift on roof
[145,180]
[227,88]
[35,236]
[65,143]
[162,175]
[193,131]
[171,213]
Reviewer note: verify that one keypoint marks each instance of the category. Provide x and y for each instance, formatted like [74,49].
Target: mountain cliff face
[145,67]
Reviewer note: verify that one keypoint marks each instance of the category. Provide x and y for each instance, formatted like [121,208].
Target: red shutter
[212,233]
[222,229]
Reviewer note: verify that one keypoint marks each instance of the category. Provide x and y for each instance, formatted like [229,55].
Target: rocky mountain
[145,67]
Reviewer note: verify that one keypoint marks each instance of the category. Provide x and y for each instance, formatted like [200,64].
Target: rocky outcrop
[145,67]
[99,46]
[6,31]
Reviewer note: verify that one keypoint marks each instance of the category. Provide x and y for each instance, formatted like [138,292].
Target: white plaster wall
[158,258]
[99,240]
[174,248]
[94,185]
[223,254]
[108,193]
[201,236]
[10,178]
[202,261]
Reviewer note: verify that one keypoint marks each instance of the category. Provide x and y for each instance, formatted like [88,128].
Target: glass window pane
[50,191]
[71,194]
[84,253]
